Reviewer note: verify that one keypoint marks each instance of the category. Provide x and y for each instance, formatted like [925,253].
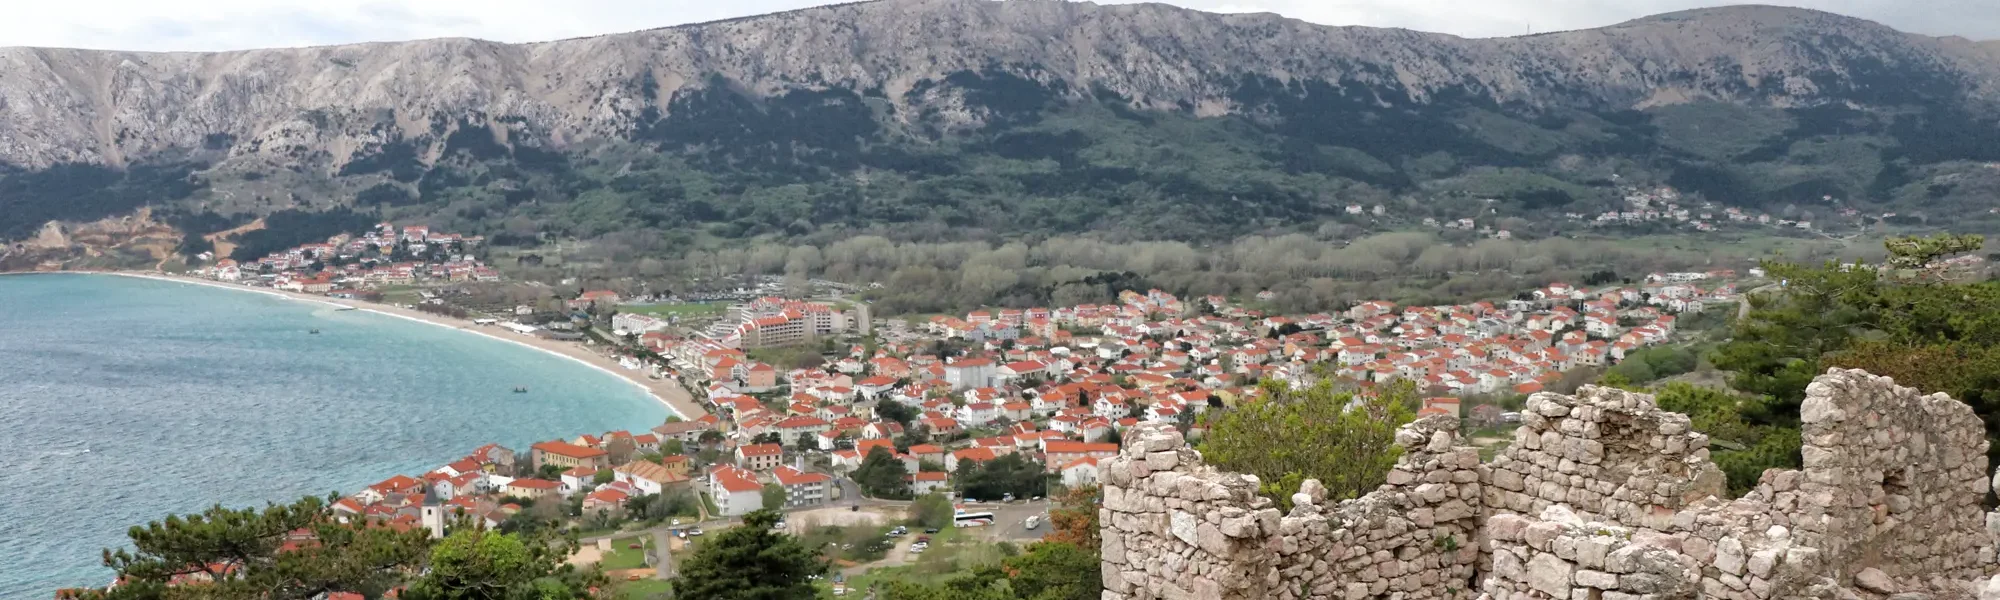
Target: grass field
[644,589]
[951,553]
[623,556]
[686,310]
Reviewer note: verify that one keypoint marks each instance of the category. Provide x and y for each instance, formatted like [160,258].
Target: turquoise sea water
[123,400]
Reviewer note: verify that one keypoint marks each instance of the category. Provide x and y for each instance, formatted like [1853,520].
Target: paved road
[850,494]
[666,559]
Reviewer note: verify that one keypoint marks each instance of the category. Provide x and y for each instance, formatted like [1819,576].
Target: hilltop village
[1055,388]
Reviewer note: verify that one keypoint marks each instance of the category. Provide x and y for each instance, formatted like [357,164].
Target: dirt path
[586,555]
[223,247]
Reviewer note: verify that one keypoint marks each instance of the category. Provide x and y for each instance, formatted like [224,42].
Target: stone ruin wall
[1602,496]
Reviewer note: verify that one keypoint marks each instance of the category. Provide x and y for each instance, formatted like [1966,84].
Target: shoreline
[677,399]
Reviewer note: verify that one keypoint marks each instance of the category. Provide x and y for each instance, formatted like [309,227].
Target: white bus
[972,519]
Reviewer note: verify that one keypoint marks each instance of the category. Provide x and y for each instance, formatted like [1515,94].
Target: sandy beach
[668,392]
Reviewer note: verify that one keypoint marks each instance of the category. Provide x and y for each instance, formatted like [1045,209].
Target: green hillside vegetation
[713,180]
[1926,326]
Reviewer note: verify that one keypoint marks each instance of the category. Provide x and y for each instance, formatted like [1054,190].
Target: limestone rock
[1549,575]
[1874,580]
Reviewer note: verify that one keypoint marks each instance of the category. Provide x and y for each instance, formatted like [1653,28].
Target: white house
[969,373]
[735,490]
[647,477]
[931,481]
[574,480]
[801,488]
[1079,472]
[978,414]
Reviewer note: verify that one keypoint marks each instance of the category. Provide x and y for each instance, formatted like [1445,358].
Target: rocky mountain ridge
[318,108]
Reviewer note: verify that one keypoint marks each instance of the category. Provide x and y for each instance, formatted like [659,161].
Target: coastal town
[936,399]
[344,264]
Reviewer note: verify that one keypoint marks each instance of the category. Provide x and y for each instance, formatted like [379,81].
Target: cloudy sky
[238,24]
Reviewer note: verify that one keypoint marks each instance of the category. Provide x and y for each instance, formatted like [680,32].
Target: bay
[123,400]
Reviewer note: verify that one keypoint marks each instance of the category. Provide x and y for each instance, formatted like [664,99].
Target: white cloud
[235,24]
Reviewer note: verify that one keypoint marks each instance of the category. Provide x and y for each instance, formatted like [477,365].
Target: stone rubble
[1602,496]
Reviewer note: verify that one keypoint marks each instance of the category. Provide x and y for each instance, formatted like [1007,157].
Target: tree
[672,447]
[896,411]
[913,436]
[244,552]
[709,437]
[603,476]
[774,496]
[1633,369]
[1010,474]
[550,472]
[882,475]
[1074,519]
[1312,433]
[963,587]
[933,510]
[768,438]
[751,562]
[1055,571]
[1910,319]
[476,564]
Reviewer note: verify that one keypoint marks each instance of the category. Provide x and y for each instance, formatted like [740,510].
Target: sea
[124,400]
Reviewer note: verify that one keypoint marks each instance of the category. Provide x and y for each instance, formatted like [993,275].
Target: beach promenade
[667,391]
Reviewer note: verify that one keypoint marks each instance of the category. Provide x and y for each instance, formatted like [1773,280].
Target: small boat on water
[345,309]
[521,390]
[315,332]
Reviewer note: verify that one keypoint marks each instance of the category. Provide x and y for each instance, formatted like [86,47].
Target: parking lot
[1010,520]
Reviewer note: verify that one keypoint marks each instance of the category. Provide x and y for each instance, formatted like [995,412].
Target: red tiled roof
[789,476]
[735,480]
[974,454]
[801,421]
[761,450]
[567,449]
[1069,447]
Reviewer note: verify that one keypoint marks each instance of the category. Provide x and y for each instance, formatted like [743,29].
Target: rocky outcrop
[323,105]
[1602,496]
[124,241]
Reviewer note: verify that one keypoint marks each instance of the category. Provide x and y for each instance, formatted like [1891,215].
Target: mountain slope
[928,89]
[77,105]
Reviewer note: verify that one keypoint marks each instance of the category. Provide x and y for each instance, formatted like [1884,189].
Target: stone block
[1182,526]
[1596,579]
[1549,575]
